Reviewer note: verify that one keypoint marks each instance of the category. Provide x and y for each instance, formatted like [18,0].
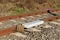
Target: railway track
[36,32]
[8,24]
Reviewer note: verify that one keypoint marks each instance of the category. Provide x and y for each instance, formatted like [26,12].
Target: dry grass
[14,7]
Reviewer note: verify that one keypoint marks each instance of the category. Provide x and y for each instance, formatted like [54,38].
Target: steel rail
[52,18]
[25,15]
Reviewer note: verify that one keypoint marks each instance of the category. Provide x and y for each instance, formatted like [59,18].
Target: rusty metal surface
[7,31]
